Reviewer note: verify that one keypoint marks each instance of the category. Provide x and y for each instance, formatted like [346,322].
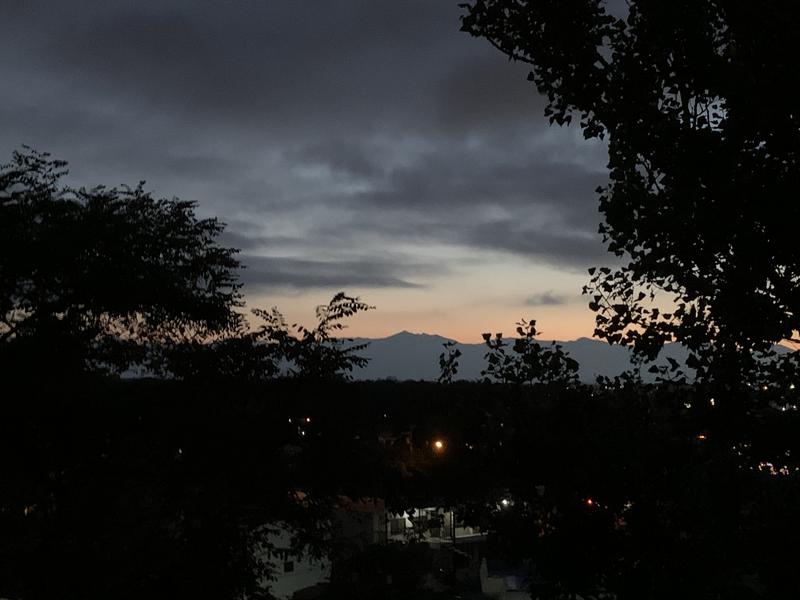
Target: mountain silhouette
[415,356]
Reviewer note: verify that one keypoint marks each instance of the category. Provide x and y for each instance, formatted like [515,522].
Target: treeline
[157,488]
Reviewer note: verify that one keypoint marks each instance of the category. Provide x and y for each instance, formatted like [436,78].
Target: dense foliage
[274,348]
[96,279]
[528,361]
[106,280]
[157,488]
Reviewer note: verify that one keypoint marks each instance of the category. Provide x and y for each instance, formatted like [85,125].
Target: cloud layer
[346,144]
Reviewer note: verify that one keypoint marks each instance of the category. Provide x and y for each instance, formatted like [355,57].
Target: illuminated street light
[438,446]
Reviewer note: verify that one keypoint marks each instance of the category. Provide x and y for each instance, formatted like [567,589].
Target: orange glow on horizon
[467,326]
[462,318]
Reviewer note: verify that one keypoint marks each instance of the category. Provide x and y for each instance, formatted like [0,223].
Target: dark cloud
[243,242]
[335,129]
[263,64]
[451,181]
[569,250]
[486,92]
[268,273]
[548,298]
[343,156]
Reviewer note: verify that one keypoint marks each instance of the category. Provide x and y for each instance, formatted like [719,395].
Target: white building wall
[292,573]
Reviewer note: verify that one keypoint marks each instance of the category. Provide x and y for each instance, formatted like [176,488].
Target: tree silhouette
[95,279]
[704,162]
[448,362]
[273,349]
[317,353]
[529,362]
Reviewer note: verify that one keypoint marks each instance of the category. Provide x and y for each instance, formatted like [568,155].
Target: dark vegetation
[162,486]
[154,488]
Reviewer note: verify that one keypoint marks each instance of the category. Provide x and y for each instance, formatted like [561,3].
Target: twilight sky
[357,145]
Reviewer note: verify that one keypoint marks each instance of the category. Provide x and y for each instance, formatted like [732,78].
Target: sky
[359,145]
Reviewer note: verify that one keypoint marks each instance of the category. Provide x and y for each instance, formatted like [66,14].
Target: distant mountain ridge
[415,356]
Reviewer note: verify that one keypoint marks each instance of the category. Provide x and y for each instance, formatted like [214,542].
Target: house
[293,575]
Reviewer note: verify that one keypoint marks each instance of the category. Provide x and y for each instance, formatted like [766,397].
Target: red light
[589,502]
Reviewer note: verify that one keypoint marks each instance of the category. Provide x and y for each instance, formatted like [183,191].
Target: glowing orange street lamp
[438,446]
